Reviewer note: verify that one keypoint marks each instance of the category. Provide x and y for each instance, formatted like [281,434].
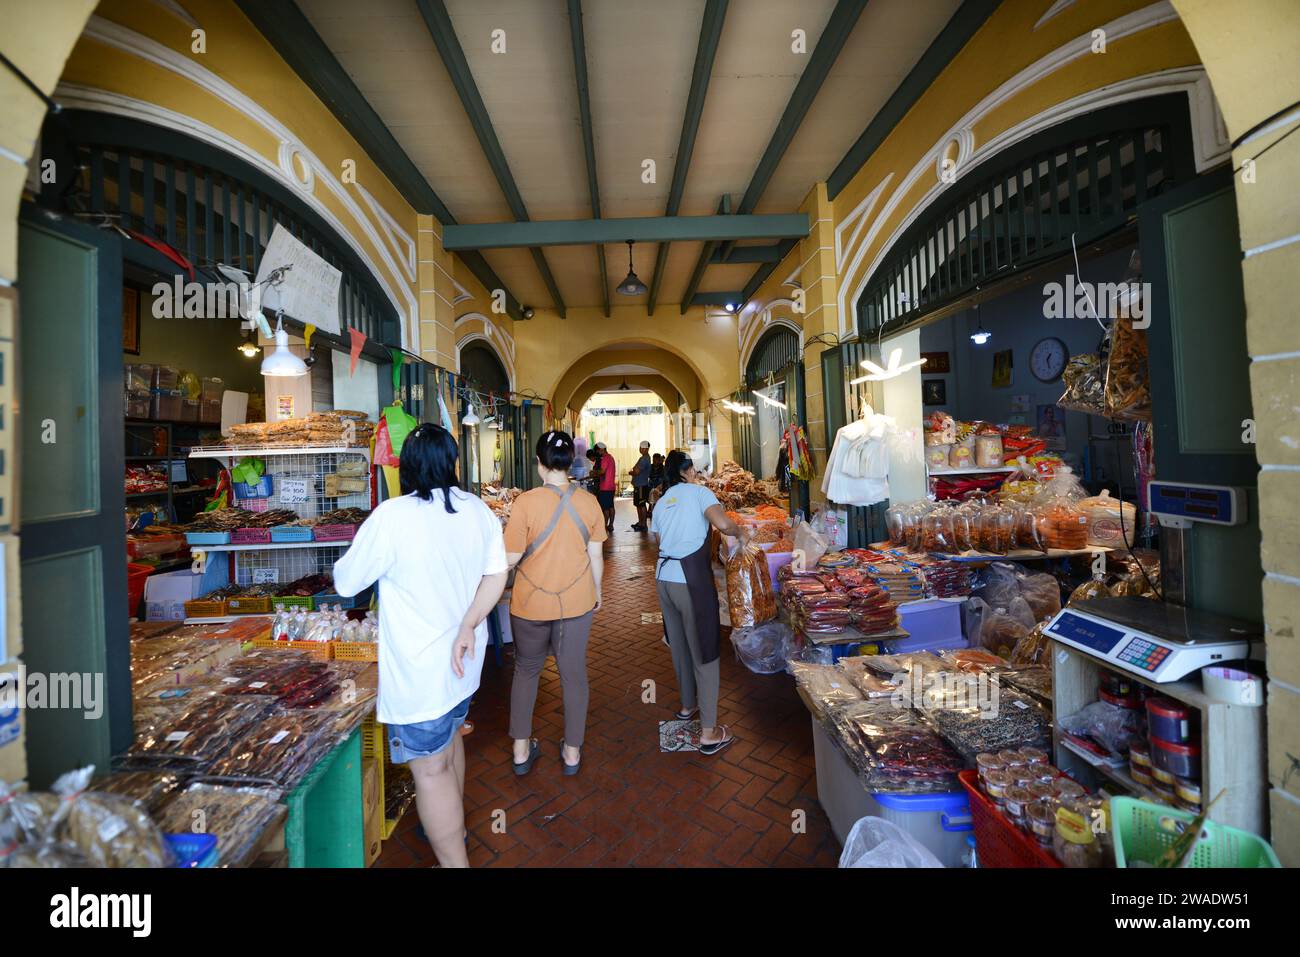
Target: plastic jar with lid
[1067,790]
[1034,755]
[1012,758]
[1179,760]
[987,763]
[1044,773]
[1170,721]
[996,783]
[1139,754]
[1163,775]
[1018,801]
[1042,823]
[1074,843]
[1164,792]
[1042,791]
[1141,775]
[1188,790]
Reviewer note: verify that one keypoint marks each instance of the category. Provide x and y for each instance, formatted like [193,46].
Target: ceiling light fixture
[895,368]
[624,387]
[770,401]
[282,362]
[730,307]
[249,346]
[980,335]
[631,286]
[469,419]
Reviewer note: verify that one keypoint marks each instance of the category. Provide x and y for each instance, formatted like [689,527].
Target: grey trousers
[534,640]
[697,681]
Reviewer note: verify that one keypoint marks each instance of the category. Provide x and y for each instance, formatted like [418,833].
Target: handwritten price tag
[265,576]
[294,491]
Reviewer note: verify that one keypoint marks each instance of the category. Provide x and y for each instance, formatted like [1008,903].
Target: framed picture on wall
[936,362]
[131,320]
[1002,369]
[1051,427]
[934,391]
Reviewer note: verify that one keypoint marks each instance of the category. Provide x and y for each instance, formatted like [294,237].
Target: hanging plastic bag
[384,454]
[808,541]
[875,842]
[400,425]
[763,649]
[750,599]
[1085,385]
[801,462]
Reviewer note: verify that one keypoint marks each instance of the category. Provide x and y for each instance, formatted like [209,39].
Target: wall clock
[1048,358]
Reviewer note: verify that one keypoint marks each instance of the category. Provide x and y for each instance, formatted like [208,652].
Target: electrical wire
[1119,490]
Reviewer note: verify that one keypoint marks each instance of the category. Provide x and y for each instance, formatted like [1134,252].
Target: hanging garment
[857,472]
[801,463]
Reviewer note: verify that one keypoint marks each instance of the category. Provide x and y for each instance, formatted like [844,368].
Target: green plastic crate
[325,826]
[1143,831]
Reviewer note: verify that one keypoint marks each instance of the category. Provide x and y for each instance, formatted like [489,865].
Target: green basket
[1143,830]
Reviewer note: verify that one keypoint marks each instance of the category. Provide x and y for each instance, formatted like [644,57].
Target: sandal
[569,769]
[686,714]
[717,746]
[533,750]
[467,727]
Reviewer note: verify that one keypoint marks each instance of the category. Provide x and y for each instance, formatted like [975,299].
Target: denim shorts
[406,742]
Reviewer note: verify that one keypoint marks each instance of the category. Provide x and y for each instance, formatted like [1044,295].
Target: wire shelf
[285,565]
[291,472]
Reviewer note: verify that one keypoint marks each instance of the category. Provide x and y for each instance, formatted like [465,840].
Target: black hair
[555,451]
[591,454]
[675,465]
[428,462]
[657,457]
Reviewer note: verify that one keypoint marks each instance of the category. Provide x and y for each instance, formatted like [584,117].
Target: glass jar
[1074,843]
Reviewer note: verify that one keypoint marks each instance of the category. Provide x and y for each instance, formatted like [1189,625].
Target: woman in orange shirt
[553,540]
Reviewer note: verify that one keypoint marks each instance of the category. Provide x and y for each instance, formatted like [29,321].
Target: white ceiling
[639,59]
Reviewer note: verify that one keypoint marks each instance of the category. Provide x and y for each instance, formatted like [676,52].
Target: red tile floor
[631,804]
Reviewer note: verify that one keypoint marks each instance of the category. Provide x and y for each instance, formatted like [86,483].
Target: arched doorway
[489,450]
[774,387]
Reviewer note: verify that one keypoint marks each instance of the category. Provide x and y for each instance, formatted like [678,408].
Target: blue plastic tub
[941,822]
[931,621]
[207,538]
[192,850]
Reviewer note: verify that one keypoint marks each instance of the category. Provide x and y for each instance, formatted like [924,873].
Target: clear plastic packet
[1001,584]
[1042,592]
[1112,727]
[937,532]
[973,660]
[997,529]
[826,685]
[237,816]
[39,814]
[1084,378]
[1033,679]
[1110,520]
[1003,627]
[1027,531]
[110,831]
[866,680]
[812,545]
[893,751]
[204,731]
[1093,588]
[894,521]
[1031,649]
[1010,721]
[763,649]
[46,854]
[1128,380]
[750,600]
[280,749]
[147,790]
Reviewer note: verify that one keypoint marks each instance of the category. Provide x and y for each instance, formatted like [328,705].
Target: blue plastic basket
[361,600]
[192,850]
[263,489]
[207,538]
[291,533]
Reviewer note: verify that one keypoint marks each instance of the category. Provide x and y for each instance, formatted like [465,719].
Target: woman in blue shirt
[687,594]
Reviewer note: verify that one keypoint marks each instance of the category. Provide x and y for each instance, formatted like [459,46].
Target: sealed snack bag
[750,598]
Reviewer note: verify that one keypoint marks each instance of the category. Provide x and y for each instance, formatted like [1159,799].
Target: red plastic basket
[334,533]
[251,536]
[998,842]
[135,578]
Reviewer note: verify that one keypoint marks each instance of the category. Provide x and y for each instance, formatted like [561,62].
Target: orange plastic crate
[319,650]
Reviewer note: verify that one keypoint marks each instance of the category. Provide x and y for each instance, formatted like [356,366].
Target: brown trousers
[534,640]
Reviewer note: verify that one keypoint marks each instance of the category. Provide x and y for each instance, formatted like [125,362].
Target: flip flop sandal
[717,746]
[685,715]
[467,727]
[569,769]
[533,750]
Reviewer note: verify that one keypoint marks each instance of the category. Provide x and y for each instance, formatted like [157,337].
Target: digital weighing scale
[1159,641]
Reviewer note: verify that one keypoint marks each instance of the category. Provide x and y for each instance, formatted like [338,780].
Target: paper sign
[177,736]
[257,684]
[293,491]
[234,409]
[309,290]
[265,576]
[284,407]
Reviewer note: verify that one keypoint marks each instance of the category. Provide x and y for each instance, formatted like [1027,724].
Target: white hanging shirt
[858,470]
[428,563]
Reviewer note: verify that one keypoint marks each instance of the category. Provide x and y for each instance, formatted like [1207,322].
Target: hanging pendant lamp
[624,387]
[632,285]
[282,362]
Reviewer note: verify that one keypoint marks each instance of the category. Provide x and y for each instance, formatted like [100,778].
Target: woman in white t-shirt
[440,560]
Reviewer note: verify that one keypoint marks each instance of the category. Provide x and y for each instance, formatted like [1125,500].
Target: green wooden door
[1200,380]
[73,539]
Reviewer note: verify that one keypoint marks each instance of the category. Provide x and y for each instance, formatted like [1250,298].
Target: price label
[262,684]
[294,491]
[1021,705]
[278,737]
[177,736]
[266,576]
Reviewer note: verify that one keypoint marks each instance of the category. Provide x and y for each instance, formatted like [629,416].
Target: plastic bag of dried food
[1094,588]
[866,680]
[1042,592]
[39,814]
[112,832]
[1103,723]
[825,685]
[1110,521]
[1031,649]
[202,732]
[281,749]
[1128,381]
[750,599]
[763,649]
[237,816]
[1001,584]
[1002,627]
[46,854]
[1085,385]
[147,790]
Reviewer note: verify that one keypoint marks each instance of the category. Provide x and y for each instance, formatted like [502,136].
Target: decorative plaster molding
[462,294]
[859,215]
[507,361]
[176,10]
[1060,6]
[291,151]
[1191,80]
[402,242]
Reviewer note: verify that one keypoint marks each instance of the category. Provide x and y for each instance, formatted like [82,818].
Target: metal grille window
[777,349]
[1084,179]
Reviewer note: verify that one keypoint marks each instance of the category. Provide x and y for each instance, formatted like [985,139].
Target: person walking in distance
[608,484]
[439,558]
[687,594]
[641,488]
[553,540]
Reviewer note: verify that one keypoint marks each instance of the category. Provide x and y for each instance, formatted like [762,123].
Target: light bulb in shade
[980,336]
[282,362]
[896,367]
[469,419]
[730,307]
[248,347]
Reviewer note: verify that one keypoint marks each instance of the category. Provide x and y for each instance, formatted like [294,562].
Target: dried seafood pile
[737,489]
[229,519]
[339,516]
[332,428]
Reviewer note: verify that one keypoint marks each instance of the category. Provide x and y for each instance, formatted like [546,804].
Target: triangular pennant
[398,358]
[358,343]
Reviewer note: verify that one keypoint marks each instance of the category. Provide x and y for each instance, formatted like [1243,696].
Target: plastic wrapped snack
[280,749]
[1032,648]
[894,522]
[147,790]
[750,600]
[937,532]
[1027,531]
[237,816]
[204,731]
[893,750]
[1085,385]
[48,854]
[1094,588]
[974,660]
[1012,720]
[1110,521]
[826,685]
[865,679]
[1000,628]
[110,831]
[997,529]
[1042,593]
[764,649]
[1128,381]
[1107,725]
